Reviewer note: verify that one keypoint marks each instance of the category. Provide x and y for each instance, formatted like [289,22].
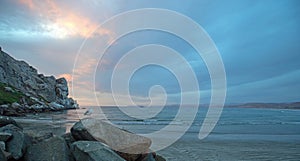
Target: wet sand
[197,150]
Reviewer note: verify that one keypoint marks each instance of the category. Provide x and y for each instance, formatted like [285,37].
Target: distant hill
[293,105]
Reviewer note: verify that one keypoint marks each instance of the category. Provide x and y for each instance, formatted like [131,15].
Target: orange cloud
[68,77]
[85,67]
[29,3]
[62,22]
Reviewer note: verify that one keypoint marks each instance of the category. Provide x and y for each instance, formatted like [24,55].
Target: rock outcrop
[117,139]
[128,145]
[33,90]
[17,145]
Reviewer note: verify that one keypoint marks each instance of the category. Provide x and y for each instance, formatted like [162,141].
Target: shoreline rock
[92,150]
[120,140]
[19,146]
[16,146]
[53,149]
[128,145]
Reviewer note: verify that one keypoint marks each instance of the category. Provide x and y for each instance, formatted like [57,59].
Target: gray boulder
[37,137]
[3,156]
[4,120]
[4,136]
[149,157]
[2,145]
[53,149]
[69,139]
[80,132]
[93,151]
[117,139]
[18,142]
[159,158]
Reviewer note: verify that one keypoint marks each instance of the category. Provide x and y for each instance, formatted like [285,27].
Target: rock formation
[119,140]
[15,144]
[35,91]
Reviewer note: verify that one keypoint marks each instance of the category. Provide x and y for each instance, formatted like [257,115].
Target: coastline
[88,139]
[251,139]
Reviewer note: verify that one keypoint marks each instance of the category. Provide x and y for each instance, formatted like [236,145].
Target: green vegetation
[9,97]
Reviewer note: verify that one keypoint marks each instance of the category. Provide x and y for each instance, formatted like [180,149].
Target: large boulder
[2,156]
[4,136]
[68,138]
[2,145]
[149,157]
[81,132]
[115,138]
[18,142]
[37,137]
[159,158]
[93,151]
[128,145]
[4,120]
[53,149]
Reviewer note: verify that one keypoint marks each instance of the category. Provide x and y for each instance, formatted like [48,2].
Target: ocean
[240,134]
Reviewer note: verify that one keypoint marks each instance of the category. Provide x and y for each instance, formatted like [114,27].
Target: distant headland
[292,105]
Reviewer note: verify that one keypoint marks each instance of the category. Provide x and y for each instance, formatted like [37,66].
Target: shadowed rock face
[24,77]
[93,151]
[42,90]
[52,149]
[18,142]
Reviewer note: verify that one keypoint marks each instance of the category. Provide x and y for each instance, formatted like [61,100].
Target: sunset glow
[50,34]
[63,23]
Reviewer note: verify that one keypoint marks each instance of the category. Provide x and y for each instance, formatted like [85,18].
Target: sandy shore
[231,150]
[241,146]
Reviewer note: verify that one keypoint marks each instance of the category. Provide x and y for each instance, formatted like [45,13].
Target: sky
[258,42]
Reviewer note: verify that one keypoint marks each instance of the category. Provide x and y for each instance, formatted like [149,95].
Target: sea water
[234,123]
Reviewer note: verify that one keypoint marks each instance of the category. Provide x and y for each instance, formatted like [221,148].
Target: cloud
[257,41]
[283,88]
[61,22]
[68,77]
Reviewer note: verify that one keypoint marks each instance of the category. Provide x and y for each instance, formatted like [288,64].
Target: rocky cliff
[34,91]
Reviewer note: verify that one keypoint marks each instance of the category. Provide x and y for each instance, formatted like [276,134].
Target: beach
[241,134]
[232,150]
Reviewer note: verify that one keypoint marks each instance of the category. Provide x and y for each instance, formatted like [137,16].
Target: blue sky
[257,40]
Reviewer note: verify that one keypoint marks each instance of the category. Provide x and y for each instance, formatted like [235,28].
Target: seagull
[88,112]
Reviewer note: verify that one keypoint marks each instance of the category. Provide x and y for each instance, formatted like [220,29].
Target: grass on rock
[9,97]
